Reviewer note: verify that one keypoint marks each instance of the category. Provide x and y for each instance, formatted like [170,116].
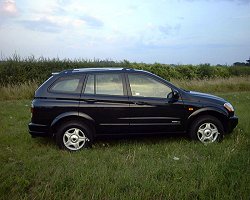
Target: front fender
[219,113]
[208,109]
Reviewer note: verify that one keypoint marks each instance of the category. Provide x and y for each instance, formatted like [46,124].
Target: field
[126,168]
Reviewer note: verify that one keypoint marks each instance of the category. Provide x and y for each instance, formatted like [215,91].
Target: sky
[149,31]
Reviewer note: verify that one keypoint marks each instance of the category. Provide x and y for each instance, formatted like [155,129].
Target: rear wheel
[207,129]
[74,136]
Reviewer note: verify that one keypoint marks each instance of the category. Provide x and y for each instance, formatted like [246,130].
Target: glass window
[110,84]
[67,84]
[144,86]
[107,84]
[90,86]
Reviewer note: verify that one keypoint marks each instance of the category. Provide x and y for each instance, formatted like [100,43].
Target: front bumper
[232,123]
[39,130]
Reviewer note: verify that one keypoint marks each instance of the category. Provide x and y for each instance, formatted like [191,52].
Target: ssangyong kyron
[75,106]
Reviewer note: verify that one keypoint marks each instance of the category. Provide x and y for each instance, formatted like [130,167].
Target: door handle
[141,103]
[90,100]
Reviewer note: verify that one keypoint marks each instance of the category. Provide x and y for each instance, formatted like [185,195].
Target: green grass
[137,168]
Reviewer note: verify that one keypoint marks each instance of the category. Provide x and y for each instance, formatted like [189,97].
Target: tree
[239,64]
[248,62]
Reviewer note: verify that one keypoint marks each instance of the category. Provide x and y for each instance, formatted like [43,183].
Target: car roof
[89,70]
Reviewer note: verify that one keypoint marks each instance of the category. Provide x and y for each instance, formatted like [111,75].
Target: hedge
[16,70]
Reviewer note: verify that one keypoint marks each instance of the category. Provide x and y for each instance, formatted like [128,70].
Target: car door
[105,100]
[151,108]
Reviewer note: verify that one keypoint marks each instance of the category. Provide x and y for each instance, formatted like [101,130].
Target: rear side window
[106,84]
[69,84]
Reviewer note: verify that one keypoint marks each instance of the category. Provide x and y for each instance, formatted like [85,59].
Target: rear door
[105,100]
[151,111]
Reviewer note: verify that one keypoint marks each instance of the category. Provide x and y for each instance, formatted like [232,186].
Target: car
[75,106]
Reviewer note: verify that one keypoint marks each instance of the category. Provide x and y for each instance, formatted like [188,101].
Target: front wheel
[74,136]
[207,129]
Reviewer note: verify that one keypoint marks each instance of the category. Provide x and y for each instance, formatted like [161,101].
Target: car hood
[207,97]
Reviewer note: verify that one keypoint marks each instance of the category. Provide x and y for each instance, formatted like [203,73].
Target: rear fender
[66,115]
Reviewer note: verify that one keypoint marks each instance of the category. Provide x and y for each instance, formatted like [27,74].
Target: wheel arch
[220,115]
[72,116]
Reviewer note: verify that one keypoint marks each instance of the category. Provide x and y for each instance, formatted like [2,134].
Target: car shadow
[116,140]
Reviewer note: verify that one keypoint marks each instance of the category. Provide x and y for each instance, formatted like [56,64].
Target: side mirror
[175,94]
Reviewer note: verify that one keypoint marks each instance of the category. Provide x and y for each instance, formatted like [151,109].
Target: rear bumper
[232,123]
[39,130]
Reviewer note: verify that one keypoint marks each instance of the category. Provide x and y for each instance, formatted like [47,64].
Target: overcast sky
[163,31]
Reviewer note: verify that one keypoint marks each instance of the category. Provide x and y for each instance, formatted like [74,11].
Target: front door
[151,110]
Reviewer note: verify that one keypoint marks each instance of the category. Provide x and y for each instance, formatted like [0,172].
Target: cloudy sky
[163,31]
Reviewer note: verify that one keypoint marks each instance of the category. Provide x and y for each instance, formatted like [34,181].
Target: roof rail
[97,69]
[127,68]
[92,69]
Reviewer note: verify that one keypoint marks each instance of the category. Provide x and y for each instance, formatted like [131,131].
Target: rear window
[68,84]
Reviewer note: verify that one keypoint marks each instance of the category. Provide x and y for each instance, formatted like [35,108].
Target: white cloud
[53,24]
[8,8]
[55,16]
[148,30]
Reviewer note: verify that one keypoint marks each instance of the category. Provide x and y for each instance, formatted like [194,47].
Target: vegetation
[243,63]
[170,167]
[232,84]
[16,70]
[18,91]
[166,167]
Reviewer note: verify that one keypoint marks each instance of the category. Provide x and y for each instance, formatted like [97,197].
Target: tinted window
[69,84]
[108,84]
[145,86]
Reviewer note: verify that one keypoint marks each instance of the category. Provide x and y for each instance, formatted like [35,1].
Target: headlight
[229,107]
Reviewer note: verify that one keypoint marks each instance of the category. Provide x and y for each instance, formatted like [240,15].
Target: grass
[18,91]
[233,84]
[135,168]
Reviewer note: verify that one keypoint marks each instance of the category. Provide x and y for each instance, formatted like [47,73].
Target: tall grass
[18,91]
[234,84]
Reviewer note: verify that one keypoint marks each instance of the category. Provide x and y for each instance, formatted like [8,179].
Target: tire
[207,129]
[74,136]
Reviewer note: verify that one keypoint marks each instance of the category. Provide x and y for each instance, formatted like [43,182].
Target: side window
[69,84]
[107,84]
[145,86]
[110,84]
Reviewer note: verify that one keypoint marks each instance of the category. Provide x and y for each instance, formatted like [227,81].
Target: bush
[16,70]
[239,70]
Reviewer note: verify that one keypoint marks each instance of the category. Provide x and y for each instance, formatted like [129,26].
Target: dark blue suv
[77,105]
